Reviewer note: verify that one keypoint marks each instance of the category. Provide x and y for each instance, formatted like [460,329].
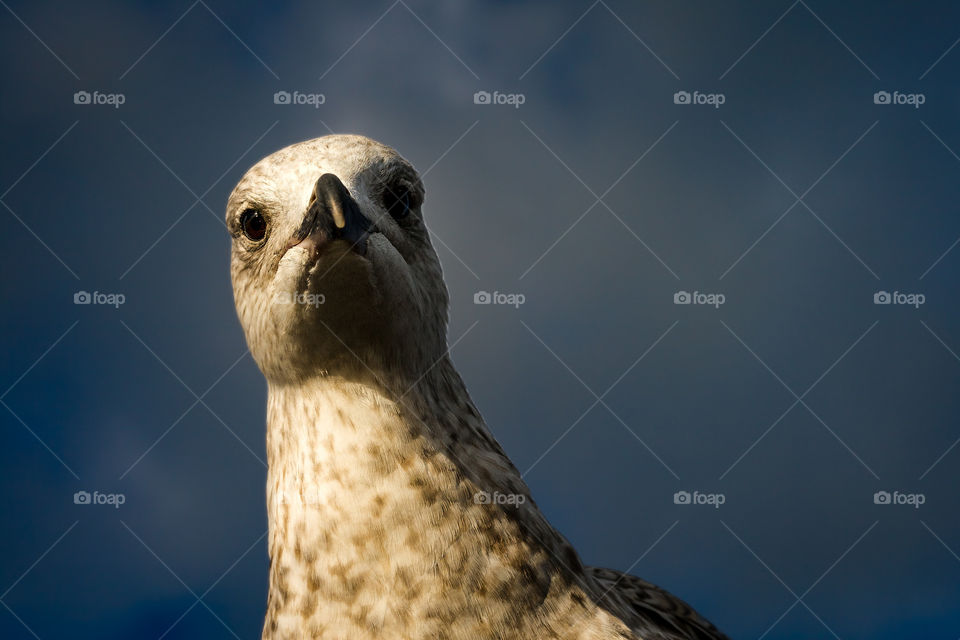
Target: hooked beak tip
[338,218]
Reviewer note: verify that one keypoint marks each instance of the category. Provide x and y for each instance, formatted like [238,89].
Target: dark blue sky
[599,198]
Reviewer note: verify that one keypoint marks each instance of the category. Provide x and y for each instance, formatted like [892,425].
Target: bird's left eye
[253,225]
[397,202]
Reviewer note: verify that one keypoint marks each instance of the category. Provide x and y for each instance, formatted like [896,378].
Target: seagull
[393,512]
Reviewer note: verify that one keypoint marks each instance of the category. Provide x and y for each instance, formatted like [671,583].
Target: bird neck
[365,429]
[375,517]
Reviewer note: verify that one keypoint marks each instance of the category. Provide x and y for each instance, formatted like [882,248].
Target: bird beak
[333,214]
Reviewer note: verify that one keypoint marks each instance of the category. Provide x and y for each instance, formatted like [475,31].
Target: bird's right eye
[397,202]
[253,225]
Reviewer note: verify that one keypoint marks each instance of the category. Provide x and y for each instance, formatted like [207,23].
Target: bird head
[332,267]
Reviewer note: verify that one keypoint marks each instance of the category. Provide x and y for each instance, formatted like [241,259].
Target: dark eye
[253,224]
[397,202]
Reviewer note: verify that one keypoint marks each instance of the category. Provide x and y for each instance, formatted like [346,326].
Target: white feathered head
[332,265]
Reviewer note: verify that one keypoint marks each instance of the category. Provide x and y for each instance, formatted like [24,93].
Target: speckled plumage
[377,455]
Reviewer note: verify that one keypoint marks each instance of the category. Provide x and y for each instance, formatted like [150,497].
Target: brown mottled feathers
[659,615]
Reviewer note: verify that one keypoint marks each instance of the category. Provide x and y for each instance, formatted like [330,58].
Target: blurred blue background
[598,198]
